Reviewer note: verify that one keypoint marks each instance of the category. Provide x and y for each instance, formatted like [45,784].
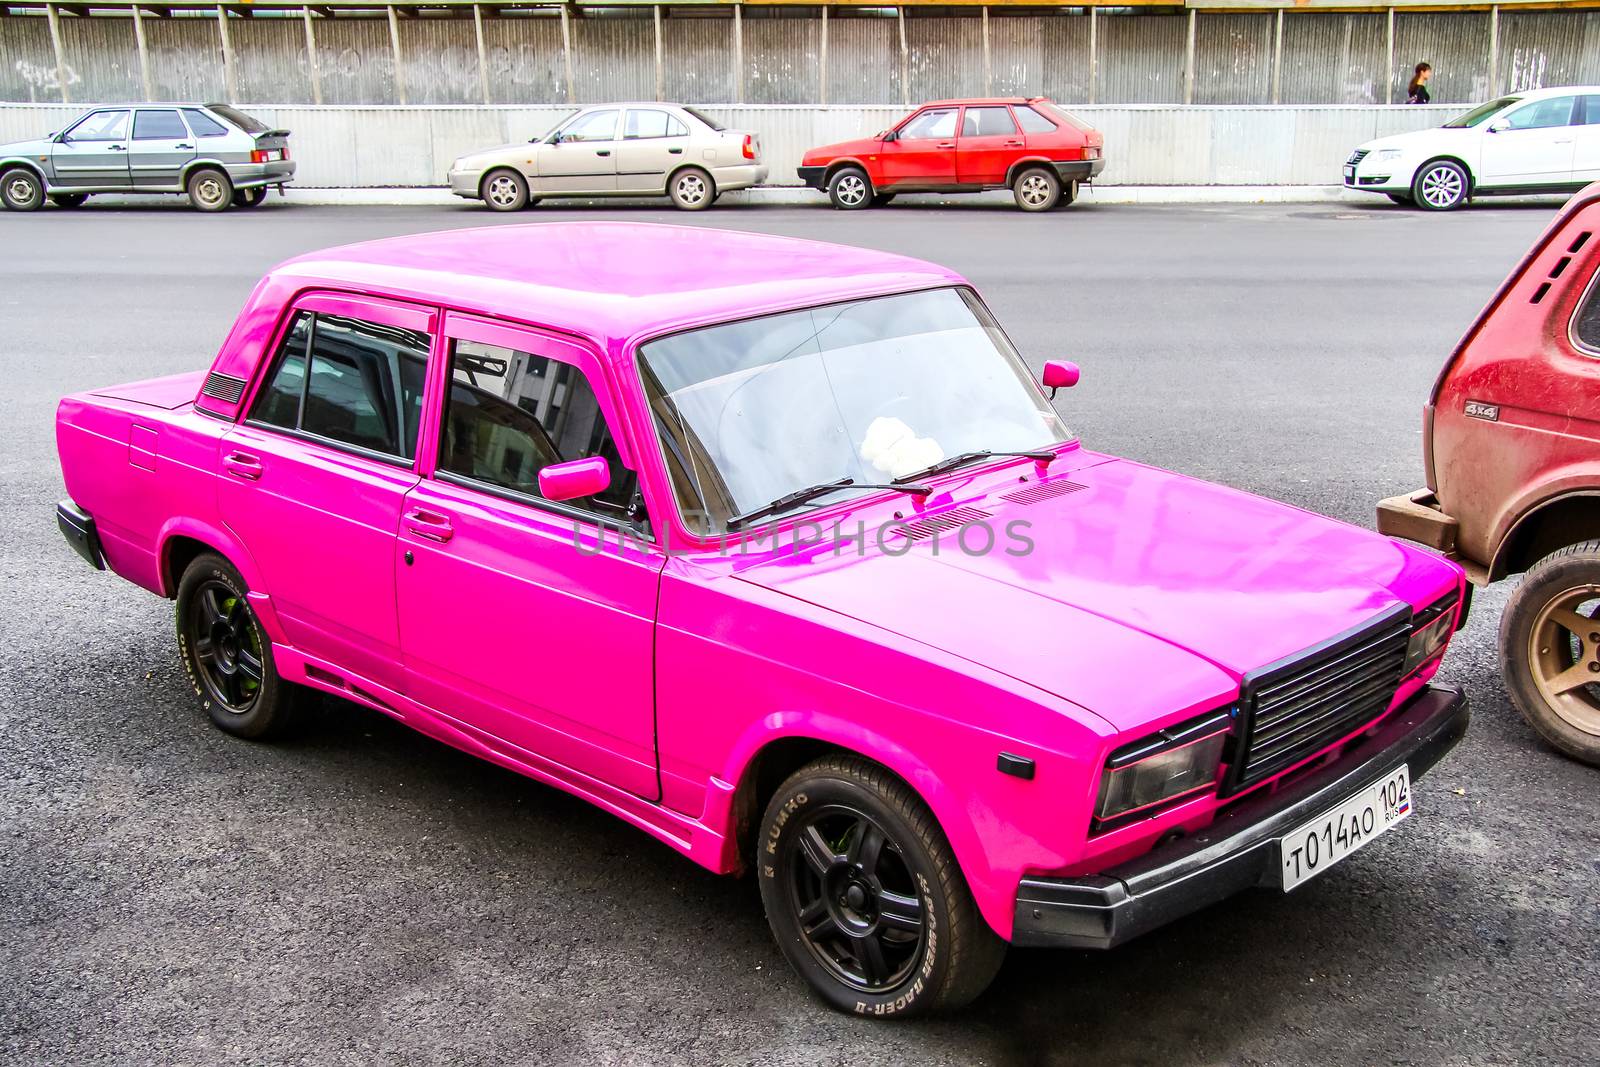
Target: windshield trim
[678,536]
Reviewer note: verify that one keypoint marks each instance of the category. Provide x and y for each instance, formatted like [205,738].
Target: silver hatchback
[616,150]
[219,156]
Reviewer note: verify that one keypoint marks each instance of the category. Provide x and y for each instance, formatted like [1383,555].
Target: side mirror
[574,479]
[1498,125]
[889,135]
[1059,374]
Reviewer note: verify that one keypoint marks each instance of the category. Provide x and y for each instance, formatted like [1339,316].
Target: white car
[616,150]
[1541,141]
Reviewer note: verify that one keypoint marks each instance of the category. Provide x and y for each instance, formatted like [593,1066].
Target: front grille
[1291,710]
[1358,155]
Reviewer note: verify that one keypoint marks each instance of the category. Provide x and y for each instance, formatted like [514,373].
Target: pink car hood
[1145,592]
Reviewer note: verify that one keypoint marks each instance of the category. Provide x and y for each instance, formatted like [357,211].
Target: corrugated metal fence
[777,55]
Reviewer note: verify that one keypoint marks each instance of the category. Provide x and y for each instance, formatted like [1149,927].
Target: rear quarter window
[204,125]
[1033,122]
[1586,324]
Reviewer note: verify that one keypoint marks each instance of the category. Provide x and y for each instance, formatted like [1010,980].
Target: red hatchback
[1031,147]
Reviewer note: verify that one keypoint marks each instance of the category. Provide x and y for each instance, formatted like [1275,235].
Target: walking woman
[1417,91]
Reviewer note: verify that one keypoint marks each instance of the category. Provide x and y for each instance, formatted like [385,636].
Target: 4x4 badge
[1476,409]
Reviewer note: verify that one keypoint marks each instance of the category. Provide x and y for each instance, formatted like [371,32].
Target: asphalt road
[169,894]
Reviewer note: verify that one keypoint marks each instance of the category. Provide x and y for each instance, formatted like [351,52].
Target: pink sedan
[776,551]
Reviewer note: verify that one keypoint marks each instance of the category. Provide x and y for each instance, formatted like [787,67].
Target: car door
[987,146]
[523,619]
[1586,141]
[923,152]
[1530,145]
[653,142]
[160,148]
[313,479]
[583,156]
[93,154]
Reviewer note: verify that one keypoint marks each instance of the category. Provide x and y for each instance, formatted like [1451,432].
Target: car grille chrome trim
[1293,709]
[224,387]
[1357,156]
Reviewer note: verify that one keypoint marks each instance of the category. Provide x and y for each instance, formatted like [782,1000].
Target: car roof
[1553,90]
[613,281]
[970,100]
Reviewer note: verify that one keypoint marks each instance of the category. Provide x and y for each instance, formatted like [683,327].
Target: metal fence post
[738,53]
[312,67]
[144,54]
[1094,53]
[1188,62]
[230,76]
[1277,59]
[988,69]
[905,59]
[1388,72]
[566,54]
[822,78]
[54,16]
[394,42]
[1494,50]
[483,53]
[661,73]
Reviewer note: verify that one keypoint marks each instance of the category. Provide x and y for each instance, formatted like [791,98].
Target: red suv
[1031,147]
[1511,445]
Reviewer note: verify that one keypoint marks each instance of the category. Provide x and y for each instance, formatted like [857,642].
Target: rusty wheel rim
[1564,651]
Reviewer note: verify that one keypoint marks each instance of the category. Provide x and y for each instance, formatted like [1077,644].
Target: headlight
[1430,631]
[1166,765]
[1383,155]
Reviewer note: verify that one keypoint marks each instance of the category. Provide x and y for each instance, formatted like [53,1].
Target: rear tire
[880,199]
[504,189]
[1550,649]
[1442,185]
[210,190]
[68,201]
[865,896]
[850,189]
[1036,189]
[250,197]
[21,190]
[692,189]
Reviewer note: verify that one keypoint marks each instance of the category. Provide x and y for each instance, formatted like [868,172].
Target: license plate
[1319,844]
[1349,175]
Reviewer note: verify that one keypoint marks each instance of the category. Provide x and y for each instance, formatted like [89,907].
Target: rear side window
[511,414]
[646,124]
[159,126]
[204,125]
[1033,122]
[358,383]
[987,122]
[1591,110]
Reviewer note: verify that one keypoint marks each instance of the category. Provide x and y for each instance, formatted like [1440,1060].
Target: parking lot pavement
[169,894]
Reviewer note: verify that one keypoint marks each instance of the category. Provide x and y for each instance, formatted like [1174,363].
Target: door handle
[1013,144]
[116,148]
[947,144]
[674,151]
[242,465]
[429,524]
[602,151]
[188,146]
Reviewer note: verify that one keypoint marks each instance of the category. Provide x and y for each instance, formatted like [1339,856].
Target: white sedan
[1541,141]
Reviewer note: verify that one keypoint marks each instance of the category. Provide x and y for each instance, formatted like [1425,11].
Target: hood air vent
[948,522]
[1038,491]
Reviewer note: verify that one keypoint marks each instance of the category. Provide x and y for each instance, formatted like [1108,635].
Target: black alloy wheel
[226,641]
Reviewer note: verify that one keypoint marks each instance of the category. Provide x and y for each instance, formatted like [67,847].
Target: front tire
[1036,189]
[850,189]
[227,654]
[210,190]
[865,897]
[692,189]
[1550,650]
[21,190]
[1442,185]
[504,190]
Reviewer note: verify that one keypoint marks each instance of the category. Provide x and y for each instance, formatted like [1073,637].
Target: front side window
[1542,114]
[510,414]
[940,123]
[101,126]
[159,126]
[363,386]
[641,125]
[1033,122]
[987,122]
[871,390]
[1478,115]
[595,126]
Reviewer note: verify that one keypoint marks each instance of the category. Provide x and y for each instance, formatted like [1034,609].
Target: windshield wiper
[1043,455]
[811,492]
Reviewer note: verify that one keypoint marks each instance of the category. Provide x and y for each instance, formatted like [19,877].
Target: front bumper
[1237,851]
[813,176]
[465,183]
[1388,176]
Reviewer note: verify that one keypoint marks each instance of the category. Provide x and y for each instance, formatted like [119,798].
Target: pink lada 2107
[774,550]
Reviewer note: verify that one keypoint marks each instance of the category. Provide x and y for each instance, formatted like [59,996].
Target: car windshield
[870,390]
[708,120]
[247,123]
[1481,112]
